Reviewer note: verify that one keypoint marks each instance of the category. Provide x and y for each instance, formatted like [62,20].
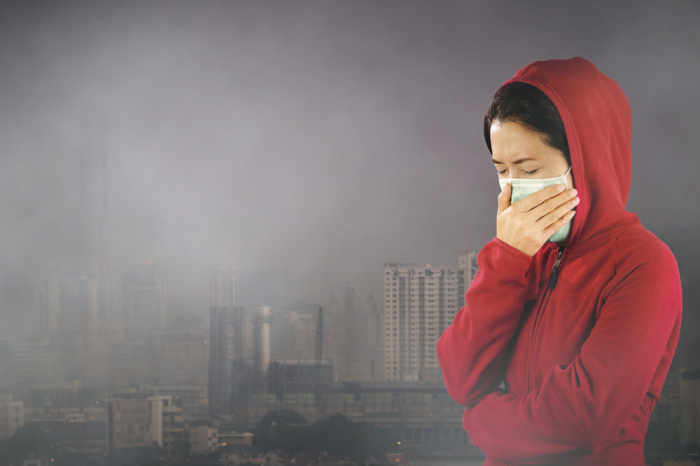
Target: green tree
[275,426]
[336,435]
[29,438]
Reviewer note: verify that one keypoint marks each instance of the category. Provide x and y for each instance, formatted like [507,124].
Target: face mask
[523,187]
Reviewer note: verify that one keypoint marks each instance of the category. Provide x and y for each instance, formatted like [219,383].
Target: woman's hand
[527,224]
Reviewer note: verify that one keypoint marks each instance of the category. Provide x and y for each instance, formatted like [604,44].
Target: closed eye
[530,173]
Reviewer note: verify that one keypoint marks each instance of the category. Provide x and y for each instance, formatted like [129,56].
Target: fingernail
[560,187]
[576,201]
[573,192]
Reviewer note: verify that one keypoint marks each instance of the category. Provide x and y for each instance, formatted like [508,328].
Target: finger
[550,206]
[556,226]
[557,214]
[537,198]
[504,198]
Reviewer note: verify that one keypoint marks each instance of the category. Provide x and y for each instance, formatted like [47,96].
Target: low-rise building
[240,454]
[277,457]
[203,437]
[235,438]
[168,425]
[85,437]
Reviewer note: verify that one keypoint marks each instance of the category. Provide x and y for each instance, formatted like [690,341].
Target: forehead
[512,142]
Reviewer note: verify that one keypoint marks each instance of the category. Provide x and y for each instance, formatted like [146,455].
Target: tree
[29,438]
[275,425]
[336,435]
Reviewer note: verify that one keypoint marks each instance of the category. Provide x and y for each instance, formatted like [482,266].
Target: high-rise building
[110,308]
[262,343]
[11,416]
[167,426]
[6,363]
[469,267]
[420,302]
[354,335]
[49,301]
[226,363]
[144,302]
[78,307]
[224,288]
[93,242]
[296,335]
[130,363]
[32,364]
[180,357]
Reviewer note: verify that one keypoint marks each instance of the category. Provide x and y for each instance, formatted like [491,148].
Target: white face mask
[523,187]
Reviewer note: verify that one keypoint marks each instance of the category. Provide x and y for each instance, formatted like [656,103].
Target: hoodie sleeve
[581,407]
[472,351]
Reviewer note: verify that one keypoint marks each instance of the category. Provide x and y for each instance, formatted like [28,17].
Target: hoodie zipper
[553,278]
[555,270]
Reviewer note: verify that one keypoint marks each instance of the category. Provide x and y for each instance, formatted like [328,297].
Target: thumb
[504,198]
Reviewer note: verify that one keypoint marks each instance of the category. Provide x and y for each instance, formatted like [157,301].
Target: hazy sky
[327,137]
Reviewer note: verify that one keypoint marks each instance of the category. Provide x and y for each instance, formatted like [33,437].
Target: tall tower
[263,349]
[94,235]
[224,288]
[144,302]
[419,303]
[469,267]
[227,381]
[50,300]
[225,291]
[78,307]
[355,335]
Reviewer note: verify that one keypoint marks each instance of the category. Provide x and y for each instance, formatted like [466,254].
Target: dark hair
[527,105]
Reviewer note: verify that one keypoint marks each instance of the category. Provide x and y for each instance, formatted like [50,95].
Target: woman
[570,325]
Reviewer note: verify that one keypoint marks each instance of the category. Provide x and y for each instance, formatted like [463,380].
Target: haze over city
[164,164]
[326,138]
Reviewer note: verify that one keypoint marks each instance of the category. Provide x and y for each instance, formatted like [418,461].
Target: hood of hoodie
[598,124]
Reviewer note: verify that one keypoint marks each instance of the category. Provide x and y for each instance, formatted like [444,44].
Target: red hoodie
[583,363]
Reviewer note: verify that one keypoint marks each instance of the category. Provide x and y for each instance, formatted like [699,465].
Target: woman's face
[519,152]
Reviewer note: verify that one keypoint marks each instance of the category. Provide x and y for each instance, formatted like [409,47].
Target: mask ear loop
[567,172]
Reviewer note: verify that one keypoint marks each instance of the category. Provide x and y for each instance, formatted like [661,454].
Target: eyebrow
[516,162]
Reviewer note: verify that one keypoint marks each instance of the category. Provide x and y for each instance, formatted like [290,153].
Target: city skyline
[365,150]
